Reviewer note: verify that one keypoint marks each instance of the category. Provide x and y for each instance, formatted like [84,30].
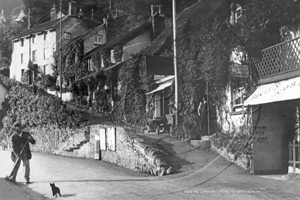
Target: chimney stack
[29,20]
[53,13]
[157,19]
[80,14]
[72,8]
[159,9]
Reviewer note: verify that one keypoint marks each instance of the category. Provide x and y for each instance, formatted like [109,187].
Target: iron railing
[278,59]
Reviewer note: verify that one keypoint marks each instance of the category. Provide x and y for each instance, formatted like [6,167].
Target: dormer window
[67,35]
[238,12]
[98,39]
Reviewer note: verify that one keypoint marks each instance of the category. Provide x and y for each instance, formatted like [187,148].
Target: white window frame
[46,53]
[67,35]
[33,39]
[34,56]
[238,12]
[98,39]
[238,94]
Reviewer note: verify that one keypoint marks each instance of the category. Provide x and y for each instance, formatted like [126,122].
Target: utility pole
[207,108]
[60,49]
[175,61]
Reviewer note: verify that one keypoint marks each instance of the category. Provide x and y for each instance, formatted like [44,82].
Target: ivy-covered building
[103,62]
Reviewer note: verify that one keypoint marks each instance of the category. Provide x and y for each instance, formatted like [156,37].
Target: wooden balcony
[279,62]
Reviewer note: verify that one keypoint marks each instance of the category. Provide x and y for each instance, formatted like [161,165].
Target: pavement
[200,174]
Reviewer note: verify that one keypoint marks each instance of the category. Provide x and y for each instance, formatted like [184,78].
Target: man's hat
[17,125]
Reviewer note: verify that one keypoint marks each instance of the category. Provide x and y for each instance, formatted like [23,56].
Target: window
[112,56]
[239,95]
[44,70]
[45,36]
[22,58]
[34,56]
[238,12]
[67,35]
[46,53]
[22,72]
[98,39]
[90,65]
[22,42]
[33,39]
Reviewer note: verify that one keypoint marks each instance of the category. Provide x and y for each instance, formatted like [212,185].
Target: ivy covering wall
[39,112]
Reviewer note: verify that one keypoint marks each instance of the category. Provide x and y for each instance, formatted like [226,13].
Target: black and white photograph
[149,99]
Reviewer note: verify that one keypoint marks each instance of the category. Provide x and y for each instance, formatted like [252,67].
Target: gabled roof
[198,12]
[51,25]
[123,39]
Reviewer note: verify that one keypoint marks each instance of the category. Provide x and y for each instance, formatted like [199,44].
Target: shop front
[273,107]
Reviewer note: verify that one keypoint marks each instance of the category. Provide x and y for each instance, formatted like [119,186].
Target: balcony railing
[278,59]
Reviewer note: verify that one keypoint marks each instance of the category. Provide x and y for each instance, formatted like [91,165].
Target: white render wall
[39,45]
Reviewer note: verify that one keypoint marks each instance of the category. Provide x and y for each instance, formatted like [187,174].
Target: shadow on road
[171,156]
[68,195]
[93,180]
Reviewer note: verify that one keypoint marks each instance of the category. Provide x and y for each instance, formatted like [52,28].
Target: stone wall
[131,151]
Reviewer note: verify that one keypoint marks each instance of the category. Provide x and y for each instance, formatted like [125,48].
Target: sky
[8,5]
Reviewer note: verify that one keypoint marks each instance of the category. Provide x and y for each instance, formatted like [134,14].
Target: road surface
[201,175]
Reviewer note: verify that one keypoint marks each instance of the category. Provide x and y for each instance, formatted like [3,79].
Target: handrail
[281,43]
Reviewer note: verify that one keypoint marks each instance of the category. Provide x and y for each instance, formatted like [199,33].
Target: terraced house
[37,44]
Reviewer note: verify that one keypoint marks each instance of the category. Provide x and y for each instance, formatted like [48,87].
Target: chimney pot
[159,9]
[53,13]
[152,10]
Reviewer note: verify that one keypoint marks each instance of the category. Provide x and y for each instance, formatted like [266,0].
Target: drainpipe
[175,61]
[60,48]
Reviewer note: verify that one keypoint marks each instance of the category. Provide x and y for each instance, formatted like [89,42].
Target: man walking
[21,151]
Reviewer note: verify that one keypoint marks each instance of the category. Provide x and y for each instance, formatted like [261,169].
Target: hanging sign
[239,71]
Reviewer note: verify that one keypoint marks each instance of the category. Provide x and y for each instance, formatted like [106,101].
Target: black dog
[55,190]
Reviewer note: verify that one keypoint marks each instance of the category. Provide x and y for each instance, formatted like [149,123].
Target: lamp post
[175,61]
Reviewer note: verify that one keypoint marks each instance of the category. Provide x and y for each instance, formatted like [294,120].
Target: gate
[294,155]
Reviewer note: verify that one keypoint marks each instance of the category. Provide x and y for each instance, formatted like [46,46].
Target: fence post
[298,154]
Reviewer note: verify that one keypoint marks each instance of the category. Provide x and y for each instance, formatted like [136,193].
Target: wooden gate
[294,155]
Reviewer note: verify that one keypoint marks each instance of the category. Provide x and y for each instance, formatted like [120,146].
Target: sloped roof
[92,32]
[55,24]
[123,39]
[197,13]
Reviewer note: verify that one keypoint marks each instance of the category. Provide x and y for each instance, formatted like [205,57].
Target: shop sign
[239,71]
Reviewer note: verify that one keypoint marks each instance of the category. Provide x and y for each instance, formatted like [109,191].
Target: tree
[7,32]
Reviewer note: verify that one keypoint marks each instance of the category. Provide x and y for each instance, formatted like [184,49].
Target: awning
[274,92]
[162,86]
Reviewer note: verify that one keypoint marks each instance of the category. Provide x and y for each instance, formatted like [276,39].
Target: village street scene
[149,99]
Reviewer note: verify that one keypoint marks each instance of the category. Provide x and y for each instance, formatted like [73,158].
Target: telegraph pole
[175,61]
[60,49]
